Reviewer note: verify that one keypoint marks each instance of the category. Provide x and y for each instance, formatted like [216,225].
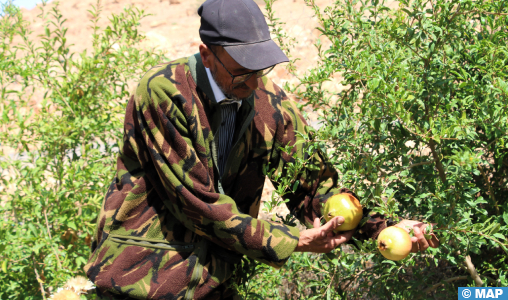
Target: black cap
[240,27]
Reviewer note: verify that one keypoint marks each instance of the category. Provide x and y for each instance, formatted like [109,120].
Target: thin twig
[489,144]
[319,269]
[439,165]
[51,238]
[39,279]
[419,164]
[491,193]
[483,12]
[47,224]
[472,270]
[357,275]
[328,287]
[481,234]
[435,286]
[423,136]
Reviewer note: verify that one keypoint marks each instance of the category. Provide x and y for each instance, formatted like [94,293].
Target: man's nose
[252,82]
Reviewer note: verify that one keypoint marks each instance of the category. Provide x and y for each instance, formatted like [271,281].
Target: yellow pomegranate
[394,243]
[344,205]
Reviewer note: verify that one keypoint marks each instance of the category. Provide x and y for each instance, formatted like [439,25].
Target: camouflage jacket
[169,227]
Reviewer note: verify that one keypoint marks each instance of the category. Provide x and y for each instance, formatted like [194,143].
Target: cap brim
[257,56]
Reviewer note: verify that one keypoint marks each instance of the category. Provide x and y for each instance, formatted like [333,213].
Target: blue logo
[466,293]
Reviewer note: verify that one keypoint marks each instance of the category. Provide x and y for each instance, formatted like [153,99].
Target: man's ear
[206,55]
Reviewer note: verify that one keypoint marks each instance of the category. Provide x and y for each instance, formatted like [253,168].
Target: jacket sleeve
[178,164]
[372,224]
[315,180]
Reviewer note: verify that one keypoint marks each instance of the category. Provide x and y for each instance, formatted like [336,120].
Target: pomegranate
[394,243]
[344,205]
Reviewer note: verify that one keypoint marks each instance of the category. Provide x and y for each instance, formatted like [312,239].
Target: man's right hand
[322,239]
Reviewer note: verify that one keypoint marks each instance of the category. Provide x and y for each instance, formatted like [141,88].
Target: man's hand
[322,239]
[420,243]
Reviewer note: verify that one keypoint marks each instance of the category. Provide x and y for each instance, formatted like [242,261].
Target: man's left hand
[420,243]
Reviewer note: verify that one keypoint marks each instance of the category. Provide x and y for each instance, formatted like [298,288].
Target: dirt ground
[173,25]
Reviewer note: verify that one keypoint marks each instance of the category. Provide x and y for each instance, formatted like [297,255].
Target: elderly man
[199,135]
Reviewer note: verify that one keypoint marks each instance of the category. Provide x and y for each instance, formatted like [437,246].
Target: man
[199,135]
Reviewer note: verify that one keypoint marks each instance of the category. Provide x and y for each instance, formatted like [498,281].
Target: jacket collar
[204,82]
[199,75]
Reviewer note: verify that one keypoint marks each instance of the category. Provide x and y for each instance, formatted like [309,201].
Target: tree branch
[472,270]
[51,238]
[439,165]
[483,12]
[491,193]
[419,164]
[38,278]
[435,286]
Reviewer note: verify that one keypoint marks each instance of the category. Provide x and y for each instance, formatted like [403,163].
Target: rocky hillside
[173,24]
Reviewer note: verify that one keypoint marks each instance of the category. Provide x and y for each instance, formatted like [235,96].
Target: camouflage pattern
[372,224]
[169,227]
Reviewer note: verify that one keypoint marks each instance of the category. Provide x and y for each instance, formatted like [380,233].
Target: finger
[348,234]
[317,224]
[332,224]
[338,239]
[421,239]
[425,228]
[434,241]
[327,229]
[414,244]
[404,225]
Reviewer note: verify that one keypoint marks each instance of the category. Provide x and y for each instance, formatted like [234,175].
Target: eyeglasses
[237,79]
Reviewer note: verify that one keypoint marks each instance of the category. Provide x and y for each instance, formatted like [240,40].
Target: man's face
[223,78]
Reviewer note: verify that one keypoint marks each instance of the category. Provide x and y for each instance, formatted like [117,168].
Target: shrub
[58,157]
[418,130]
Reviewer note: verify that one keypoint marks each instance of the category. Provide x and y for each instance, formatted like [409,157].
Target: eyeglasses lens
[260,73]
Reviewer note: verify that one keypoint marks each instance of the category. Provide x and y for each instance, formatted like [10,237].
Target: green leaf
[499,236]
[72,224]
[80,261]
[33,229]
[373,83]
[481,200]
[411,186]
[295,186]
[495,229]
